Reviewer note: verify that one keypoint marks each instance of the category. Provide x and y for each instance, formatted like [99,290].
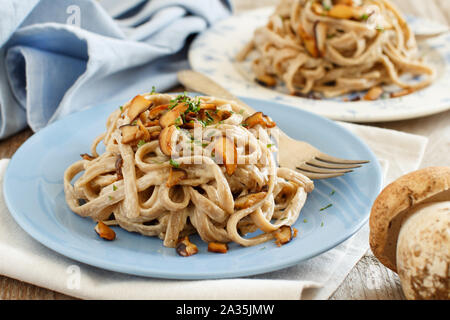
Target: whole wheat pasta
[175,165]
[334,47]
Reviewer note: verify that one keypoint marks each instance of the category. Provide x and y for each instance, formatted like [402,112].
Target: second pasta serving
[325,49]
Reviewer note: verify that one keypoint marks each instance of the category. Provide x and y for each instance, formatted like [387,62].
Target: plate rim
[39,235]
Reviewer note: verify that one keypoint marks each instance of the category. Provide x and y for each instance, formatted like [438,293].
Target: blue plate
[33,189]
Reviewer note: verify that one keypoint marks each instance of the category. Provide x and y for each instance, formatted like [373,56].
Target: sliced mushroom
[309,42]
[185,248]
[217,247]
[320,35]
[165,138]
[283,235]
[104,231]
[208,106]
[138,105]
[190,116]
[261,119]
[151,123]
[119,163]
[154,135]
[373,94]
[157,111]
[175,176]
[130,133]
[344,11]
[248,200]
[145,135]
[266,80]
[226,152]
[173,116]
[318,9]
[86,156]
[209,117]
[346,2]
[402,93]
[223,114]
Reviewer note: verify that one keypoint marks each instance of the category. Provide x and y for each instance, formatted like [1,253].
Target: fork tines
[325,166]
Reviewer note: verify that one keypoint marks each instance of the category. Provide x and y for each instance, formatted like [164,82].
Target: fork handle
[198,82]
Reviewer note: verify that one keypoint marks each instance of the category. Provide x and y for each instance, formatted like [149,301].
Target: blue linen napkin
[58,57]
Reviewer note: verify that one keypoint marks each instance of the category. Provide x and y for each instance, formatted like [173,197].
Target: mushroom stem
[423,252]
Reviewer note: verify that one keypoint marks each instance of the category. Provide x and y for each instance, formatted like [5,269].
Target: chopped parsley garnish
[153,90]
[241,111]
[321,224]
[178,121]
[141,143]
[134,122]
[210,119]
[193,103]
[174,164]
[332,192]
[380,28]
[326,207]
[270,145]
[365,17]
[305,221]
[114,187]
[121,108]
[110,198]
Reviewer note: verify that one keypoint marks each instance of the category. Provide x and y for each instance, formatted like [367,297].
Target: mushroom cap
[395,203]
[423,252]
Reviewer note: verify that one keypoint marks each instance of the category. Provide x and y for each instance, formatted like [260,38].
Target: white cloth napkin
[25,259]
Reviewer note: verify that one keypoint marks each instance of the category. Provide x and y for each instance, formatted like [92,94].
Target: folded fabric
[58,57]
[316,278]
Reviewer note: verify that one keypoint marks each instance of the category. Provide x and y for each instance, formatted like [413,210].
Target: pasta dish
[333,47]
[174,166]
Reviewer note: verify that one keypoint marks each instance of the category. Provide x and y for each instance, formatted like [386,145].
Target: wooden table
[369,280]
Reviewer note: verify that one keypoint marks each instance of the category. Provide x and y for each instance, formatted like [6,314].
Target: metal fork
[292,153]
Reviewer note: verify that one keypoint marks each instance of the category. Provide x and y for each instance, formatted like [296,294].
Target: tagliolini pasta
[175,166]
[334,47]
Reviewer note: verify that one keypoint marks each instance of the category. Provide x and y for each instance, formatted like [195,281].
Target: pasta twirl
[175,166]
[336,47]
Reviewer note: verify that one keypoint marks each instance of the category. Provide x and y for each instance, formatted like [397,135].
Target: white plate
[213,52]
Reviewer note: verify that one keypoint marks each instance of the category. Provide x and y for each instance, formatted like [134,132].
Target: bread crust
[395,203]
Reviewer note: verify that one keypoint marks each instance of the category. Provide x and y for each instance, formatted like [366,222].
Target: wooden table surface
[369,280]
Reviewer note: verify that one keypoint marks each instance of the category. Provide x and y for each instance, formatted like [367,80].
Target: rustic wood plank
[11,144]
[11,289]
[370,280]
